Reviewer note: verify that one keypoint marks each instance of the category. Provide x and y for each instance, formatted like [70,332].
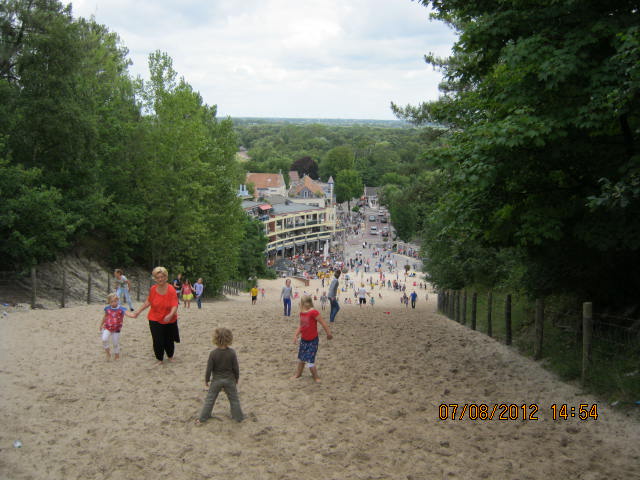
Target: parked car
[372,218]
[373,230]
[383,219]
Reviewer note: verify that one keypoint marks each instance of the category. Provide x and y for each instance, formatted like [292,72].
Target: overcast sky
[286,58]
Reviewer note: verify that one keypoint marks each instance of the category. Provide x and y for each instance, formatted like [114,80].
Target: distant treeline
[342,122]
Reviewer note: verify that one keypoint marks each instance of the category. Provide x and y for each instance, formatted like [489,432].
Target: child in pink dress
[111,325]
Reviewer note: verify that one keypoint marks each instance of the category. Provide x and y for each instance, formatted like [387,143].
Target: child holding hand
[308,333]
[111,325]
[223,372]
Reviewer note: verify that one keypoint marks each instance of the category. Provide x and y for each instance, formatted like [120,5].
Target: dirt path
[375,415]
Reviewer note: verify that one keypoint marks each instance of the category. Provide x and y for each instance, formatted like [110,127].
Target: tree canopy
[348,185]
[306,166]
[539,164]
[132,171]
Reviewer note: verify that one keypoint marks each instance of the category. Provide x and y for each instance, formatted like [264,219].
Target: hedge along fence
[579,342]
[63,286]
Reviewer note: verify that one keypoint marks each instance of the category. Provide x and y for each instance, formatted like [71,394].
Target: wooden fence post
[587,331]
[447,304]
[34,287]
[537,346]
[463,315]
[88,288]
[579,323]
[507,320]
[452,305]
[474,310]
[138,282]
[489,308]
[108,283]
[63,296]
[443,308]
[457,306]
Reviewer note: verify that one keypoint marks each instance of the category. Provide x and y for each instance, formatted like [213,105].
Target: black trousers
[164,336]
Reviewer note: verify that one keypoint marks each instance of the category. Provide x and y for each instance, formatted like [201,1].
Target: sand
[375,415]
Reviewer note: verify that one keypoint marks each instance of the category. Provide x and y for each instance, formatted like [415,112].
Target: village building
[301,221]
[266,184]
[308,191]
[370,196]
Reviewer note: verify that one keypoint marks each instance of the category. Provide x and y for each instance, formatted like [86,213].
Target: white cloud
[277,58]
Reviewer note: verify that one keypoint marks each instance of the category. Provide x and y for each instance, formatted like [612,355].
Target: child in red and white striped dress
[111,325]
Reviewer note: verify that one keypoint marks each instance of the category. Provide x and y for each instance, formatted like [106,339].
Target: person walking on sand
[414,297]
[111,325]
[187,293]
[323,300]
[285,296]
[123,285]
[333,296]
[223,372]
[163,315]
[308,333]
[362,295]
[254,295]
[198,288]
[177,285]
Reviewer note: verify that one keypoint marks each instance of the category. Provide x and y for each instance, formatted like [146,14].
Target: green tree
[188,178]
[348,185]
[394,179]
[541,105]
[337,159]
[252,260]
[33,225]
[67,109]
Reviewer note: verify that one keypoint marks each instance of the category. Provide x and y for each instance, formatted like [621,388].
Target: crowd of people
[365,277]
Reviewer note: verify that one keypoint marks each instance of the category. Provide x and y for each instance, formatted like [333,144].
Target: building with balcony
[294,228]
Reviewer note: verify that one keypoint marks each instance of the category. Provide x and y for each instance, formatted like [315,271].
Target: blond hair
[222,337]
[111,297]
[306,301]
[158,270]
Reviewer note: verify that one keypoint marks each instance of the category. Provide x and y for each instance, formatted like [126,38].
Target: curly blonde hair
[222,337]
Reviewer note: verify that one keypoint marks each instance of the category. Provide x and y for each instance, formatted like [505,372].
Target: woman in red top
[163,316]
[308,332]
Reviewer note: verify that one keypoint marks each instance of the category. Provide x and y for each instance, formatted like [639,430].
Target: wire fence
[579,340]
[64,287]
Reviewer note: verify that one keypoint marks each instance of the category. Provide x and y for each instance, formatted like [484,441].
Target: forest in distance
[520,186]
[343,122]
